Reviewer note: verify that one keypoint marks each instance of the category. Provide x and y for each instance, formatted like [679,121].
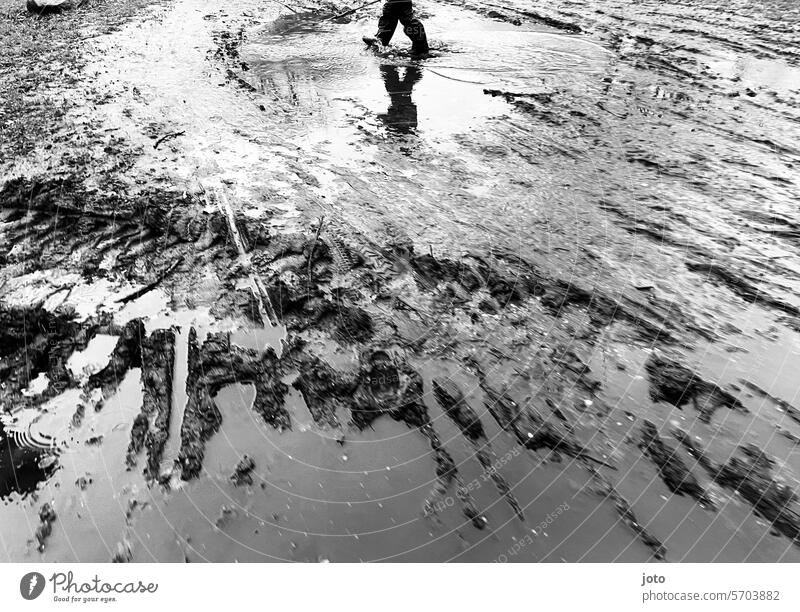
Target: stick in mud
[168,137]
[150,286]
[351,11]
[225,208]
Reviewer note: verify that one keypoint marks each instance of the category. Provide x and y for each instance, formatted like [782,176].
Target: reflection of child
[402,11]
[401,116]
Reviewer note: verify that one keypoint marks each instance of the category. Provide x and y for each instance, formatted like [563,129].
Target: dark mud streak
[509,279]
[626,514]
[301,294]
[521,280]
[535,433]
[671,468]
[678,385]
[750,475]
[201,417]
[529,427]
[270,391]
[642,223]
[158,363]
[455,406]
[385,386]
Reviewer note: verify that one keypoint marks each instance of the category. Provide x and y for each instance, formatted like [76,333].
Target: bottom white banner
[396,587]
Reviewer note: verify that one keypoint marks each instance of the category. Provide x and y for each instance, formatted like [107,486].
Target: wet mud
[750,473]
[676,384]
[267,295]
[676,475]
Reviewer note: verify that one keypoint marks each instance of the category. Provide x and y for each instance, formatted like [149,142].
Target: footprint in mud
[384,380]
[383,387]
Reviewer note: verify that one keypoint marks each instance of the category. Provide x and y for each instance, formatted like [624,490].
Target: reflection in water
[401,116]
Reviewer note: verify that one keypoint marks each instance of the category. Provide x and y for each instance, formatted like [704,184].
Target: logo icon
[31,585]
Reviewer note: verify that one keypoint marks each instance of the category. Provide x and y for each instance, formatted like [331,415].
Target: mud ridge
[741,287]
[512,15]
[61,216]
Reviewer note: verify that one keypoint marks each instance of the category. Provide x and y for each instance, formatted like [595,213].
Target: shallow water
[661,136]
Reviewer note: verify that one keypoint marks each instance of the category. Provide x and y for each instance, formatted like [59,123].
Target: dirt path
[532,298]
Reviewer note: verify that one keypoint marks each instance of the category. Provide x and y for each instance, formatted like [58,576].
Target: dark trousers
[402,11]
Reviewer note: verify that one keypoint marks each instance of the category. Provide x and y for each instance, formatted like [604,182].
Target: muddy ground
[266,295]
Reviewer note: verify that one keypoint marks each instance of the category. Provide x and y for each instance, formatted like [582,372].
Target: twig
[167,137]
[351,11]
[149,287]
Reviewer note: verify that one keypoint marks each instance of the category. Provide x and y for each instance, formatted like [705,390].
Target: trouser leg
[387,22]
[413,28]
